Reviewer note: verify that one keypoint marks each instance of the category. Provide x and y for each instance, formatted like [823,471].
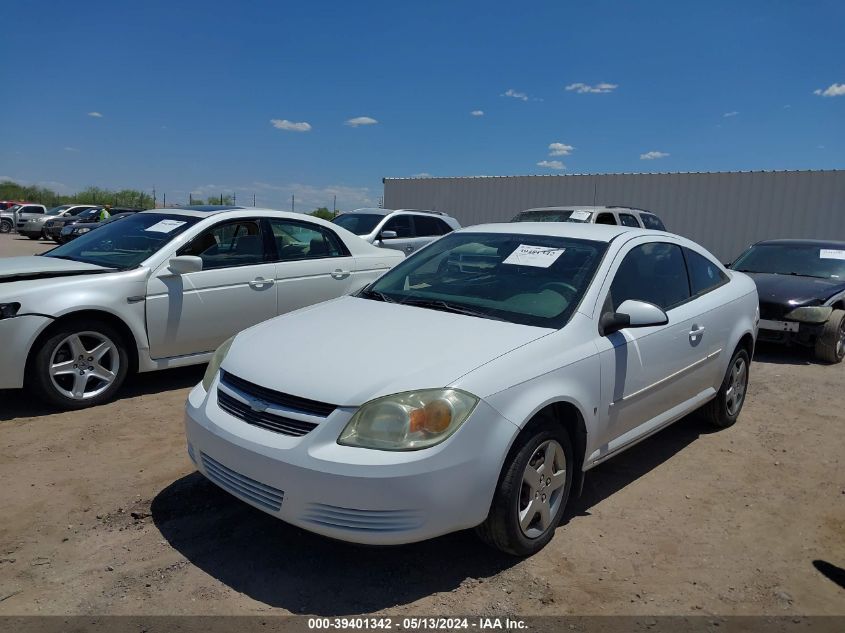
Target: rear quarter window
[651,221]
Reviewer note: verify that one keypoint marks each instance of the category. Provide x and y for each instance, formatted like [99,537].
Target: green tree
[10,190]
[323,213]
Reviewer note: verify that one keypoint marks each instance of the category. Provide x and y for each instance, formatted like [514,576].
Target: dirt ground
[102,513]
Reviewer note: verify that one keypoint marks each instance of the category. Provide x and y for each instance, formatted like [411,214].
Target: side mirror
[632,313]
[387,235]
[185,264]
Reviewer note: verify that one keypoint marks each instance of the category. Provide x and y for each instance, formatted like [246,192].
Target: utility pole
[334,206]
[154,197]
[234,198]
[253,199]
[164,202]
[292,203]
[221,199]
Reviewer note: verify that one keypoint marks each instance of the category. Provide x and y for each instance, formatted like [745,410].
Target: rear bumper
[17,334]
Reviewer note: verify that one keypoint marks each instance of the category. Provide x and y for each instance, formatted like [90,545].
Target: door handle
[340,274]
[260,282]
[696,331]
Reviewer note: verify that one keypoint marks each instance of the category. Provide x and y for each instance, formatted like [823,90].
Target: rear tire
[5,226]
[830,344]
[723,410]
[34,237]
[81,364]
[532,493]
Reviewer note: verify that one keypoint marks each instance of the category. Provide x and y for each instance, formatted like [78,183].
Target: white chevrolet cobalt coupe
[163,289]
[517,357]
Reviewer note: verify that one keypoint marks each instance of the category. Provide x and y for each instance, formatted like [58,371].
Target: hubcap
[735,395]
[542,489]
[84,365]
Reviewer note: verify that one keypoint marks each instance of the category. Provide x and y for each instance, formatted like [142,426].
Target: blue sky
[187,92]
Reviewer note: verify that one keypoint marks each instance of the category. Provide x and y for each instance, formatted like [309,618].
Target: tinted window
[301,240]
[626,219]
[490,275]
[806,260]
[567,215]
[651,221]
[399,223]
[226,245]
[125,244]
[32,210]
[704,275]
[427,225]
[605,218]
[652,272]
[358,223]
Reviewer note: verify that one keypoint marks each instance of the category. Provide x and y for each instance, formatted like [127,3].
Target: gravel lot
[103,513]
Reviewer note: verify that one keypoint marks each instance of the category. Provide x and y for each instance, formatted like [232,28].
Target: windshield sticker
[580,216]
[831,253]
[165,226]
[539,256]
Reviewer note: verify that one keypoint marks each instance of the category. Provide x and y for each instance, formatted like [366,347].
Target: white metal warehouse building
[723,211]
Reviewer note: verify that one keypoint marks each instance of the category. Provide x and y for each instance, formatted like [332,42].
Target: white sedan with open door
[164,288]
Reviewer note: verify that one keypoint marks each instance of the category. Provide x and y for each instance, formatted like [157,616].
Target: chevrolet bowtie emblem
[259,406]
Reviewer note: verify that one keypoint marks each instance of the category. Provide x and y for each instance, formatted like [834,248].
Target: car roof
[588,207]
[380,211]
[578,230]
[801,242]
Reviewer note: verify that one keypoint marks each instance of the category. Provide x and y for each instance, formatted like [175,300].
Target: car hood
[35,267]
[795,290]
[350,350]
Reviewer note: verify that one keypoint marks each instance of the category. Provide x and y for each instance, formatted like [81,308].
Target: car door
[311,263]
[403,227]
[649,373]
[195,312]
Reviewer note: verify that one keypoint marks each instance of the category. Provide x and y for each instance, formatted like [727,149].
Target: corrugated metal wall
[724,212]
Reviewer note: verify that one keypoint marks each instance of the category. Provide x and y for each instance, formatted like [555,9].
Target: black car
[801,284]
[72,231]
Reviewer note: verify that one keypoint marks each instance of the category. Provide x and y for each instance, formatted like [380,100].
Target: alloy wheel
[735,394]
[543,485]
[83,365]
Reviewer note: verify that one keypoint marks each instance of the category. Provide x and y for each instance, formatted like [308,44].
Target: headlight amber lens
[215,362]
[408,421]
[810,314]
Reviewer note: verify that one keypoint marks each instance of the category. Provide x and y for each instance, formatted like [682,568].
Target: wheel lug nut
[548,481]
[544,497]
[90,358]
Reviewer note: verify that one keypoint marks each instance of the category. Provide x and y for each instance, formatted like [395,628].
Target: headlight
[810,314]
[408,421]
[215,362]
[8,310]
[81,229]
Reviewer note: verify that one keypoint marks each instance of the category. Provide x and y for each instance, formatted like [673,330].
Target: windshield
[57,210]
[527,279]
[568,215]
[358,223]
[125,244]
[793,259]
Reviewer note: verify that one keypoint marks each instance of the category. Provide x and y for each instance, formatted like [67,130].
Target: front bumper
[31,231]
[348,493]
[17,334]
[789,332]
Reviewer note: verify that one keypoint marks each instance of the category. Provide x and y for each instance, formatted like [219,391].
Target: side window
[302,240]
[399,223]
[427,225]
[653,272]
[444,228]
[651,221]
[32,210]
[229,244]
[704,275]
[626,219]
[605,218]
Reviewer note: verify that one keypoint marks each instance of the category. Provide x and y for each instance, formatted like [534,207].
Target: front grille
[773,311]
[283,400]
[362,520]
[263,419]
[267,497]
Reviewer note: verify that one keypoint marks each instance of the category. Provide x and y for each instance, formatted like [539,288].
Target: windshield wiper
[445,306]
[379,296]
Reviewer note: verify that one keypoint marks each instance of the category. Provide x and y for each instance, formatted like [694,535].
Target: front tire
[723,410]
[5,226]
[830,344]
[34,237]
[532,493]
[81,364]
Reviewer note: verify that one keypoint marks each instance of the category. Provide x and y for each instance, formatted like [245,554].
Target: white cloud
[71,149]
[510,92]
[730,114]
[423,174]
[652,155]
[551,164]
[361,120]
[560,149]
[291,126]
[833,90]
[96,115]
[477,113]
[582,88]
